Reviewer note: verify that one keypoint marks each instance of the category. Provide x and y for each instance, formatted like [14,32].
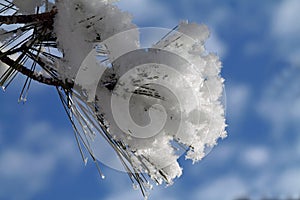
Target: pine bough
[48,42]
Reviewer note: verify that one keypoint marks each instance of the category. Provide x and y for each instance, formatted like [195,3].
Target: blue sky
[259,45]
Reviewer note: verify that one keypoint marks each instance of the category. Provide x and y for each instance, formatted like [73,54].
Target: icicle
[146,196]
[22,99]
[102,176]
[135,186]
[86,161]
[148,185]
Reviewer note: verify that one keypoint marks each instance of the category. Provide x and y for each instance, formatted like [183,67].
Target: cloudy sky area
[259,45]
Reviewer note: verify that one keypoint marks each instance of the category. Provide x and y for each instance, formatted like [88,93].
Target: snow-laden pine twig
[151,105]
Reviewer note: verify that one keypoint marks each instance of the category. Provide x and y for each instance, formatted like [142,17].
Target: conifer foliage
[110,85]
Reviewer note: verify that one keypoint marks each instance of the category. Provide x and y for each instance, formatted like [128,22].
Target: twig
[33,75]
[25,19]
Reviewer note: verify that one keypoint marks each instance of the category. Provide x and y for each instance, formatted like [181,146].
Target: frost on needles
[152,105]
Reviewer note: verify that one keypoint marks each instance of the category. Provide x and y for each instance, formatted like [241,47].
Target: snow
[157,103]
[80,25]
[166,95]
[183,86]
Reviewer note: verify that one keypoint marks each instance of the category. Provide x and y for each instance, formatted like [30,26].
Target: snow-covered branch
[151,104]
[31,74]
[47,17]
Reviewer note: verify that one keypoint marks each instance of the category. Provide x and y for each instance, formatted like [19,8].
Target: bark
[25,19]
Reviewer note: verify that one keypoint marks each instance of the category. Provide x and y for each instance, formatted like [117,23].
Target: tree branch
[25,19]
[47,19]
[33,75]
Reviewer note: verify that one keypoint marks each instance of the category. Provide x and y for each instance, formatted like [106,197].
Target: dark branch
[25,19]
[33,75]
[46,19]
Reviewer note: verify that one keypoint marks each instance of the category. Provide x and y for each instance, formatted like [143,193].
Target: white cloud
[26,165]
[23,174]
[225,188]
[288,182]
[255,157]
[268,180]
[285,22]
[280,107]
[286,30]
[280,104]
